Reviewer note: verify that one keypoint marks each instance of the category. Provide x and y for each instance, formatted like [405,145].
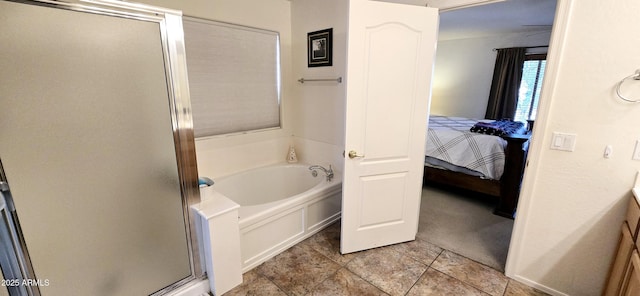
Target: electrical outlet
[608,151]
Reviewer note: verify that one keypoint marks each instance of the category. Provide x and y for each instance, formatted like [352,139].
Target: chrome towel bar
[303,80]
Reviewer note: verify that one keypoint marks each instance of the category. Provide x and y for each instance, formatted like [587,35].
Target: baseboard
[538,286]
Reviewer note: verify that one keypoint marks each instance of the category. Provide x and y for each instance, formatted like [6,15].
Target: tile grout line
[361,253]
[332,274]
[330,259]
[465,282]
[346,269]
[402,254]
[424,272]
[268,279]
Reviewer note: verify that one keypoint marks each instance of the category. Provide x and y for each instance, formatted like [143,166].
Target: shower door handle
[4,186]
[5,195]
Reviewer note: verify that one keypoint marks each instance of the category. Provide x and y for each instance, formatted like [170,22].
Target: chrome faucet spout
[328,172]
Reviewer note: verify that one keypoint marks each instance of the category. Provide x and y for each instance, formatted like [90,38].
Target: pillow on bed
[497,128]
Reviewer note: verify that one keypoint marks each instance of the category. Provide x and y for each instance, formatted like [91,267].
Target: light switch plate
[636,151]
[563,141]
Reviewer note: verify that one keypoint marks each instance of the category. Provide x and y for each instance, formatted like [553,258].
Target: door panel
[383,201]
[381,74]
[391,48]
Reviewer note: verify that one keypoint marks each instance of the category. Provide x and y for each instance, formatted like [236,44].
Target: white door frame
[521,223]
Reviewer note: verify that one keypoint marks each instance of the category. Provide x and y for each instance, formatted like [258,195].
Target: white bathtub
[280,205]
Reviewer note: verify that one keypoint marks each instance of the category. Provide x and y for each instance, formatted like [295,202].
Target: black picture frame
[320,48]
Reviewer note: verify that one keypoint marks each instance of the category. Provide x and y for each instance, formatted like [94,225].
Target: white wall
[223,155]
[464,70]
[573,203]
[319,107]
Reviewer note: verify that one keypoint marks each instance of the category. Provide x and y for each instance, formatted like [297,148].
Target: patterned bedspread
[449,140]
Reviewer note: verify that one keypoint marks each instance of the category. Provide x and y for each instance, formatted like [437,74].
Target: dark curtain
[503,97]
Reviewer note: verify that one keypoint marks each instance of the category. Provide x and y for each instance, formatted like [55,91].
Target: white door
[391,48]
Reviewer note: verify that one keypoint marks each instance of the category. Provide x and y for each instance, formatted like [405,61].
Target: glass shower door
[10,260]
[89,141]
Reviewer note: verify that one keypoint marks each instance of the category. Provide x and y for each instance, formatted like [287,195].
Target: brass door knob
[353,154]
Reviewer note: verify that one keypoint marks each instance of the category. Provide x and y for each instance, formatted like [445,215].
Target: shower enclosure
[96,150]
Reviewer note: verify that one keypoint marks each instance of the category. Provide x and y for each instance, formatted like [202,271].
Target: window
[530,86]
[234,77]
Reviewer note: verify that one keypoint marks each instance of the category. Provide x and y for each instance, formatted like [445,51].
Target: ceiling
[476,18]
[499,18]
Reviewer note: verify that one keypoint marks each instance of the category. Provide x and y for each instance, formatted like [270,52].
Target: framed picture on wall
[320,48]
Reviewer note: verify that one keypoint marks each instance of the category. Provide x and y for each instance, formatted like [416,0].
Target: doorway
[462,79]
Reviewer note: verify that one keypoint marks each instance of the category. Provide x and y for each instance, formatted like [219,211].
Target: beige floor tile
[345,283]
[255,284]
[298,270]
[420,250]
[480,276]
[435,283]
[327,242]
[387,269]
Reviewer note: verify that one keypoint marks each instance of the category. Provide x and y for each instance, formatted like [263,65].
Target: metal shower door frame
[14,257]
[170,23]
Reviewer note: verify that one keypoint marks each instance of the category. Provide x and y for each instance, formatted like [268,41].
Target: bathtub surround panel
[239,153]
[274,232]
[243,155]
[263,240]
[322,211]
[321,153]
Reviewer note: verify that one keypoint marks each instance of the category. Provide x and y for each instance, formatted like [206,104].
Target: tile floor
[316,267]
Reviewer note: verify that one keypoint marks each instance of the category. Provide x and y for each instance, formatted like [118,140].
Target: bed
[490,163]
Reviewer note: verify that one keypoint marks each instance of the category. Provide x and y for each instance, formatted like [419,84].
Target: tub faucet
[328,172]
